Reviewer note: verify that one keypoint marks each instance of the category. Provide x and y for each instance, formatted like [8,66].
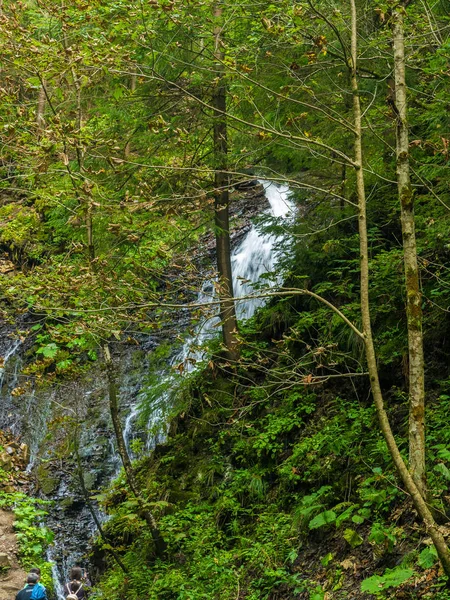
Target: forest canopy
[307,451]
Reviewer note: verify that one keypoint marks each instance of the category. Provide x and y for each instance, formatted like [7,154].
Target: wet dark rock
[246,185]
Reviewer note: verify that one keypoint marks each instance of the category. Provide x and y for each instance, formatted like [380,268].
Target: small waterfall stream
[255,256]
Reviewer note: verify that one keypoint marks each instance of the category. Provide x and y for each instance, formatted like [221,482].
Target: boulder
[5,561]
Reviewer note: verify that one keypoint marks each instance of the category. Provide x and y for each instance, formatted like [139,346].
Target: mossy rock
[47,482]
[89,480]
[67,502]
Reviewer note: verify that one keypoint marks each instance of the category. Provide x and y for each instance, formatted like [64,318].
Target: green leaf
[391,578]
[324,518]
[427,557]
[443,470]
[358,519]
[49,351]
[327,559]
[292,556]
[317,594]
[345,515]
[353,538]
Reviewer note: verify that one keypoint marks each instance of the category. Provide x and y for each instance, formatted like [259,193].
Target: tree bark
[86,198]
[418,501]
[412,278]
[222,198]
[133,82]
[160,545]
[40,121]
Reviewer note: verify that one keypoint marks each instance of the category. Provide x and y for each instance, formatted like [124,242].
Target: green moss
[47,482]
[66,502]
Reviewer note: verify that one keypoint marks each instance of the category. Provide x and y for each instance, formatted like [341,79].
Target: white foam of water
[10,352]
[255,256]
[56,576]
[10,385]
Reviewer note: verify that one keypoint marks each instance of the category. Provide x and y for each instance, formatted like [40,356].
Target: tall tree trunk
[133,81]
[412,279]
[80,155]
[222,198]
[419,502]
[160,545]
[85,198]
[40,110]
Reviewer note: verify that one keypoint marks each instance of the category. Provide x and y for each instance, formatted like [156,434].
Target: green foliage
[33,538]
[323,519]
[281,450]
[377,584]
[353,538]
[427,558]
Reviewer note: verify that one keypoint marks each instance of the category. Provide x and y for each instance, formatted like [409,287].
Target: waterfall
[256,255]
[8,382]
[56,576]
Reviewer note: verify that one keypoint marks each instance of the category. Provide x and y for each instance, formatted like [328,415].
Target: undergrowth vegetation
[128,129]
[275,481]
[33,538]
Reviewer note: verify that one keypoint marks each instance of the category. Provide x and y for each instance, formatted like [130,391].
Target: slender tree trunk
[90,230]
[133,81]
[412,278]
[80,156]
[160,545]
[419,502]
[86,198]
[222,199]
[40,121]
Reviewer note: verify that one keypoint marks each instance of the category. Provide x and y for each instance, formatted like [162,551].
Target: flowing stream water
[256,255]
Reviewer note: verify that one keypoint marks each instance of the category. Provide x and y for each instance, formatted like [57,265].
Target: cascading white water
[56,576]
[9,381]
[255,256]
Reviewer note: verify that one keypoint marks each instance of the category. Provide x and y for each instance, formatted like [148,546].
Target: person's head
[32,578]
[37,571]
[76,574]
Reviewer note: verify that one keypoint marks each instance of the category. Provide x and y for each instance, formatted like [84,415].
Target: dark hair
[74,586]
[36,570]
[76,573]
[32,578]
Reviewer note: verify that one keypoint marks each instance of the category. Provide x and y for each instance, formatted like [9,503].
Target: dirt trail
[13,580]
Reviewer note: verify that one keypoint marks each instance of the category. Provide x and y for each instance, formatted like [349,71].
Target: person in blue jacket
[27,591]
[39,591]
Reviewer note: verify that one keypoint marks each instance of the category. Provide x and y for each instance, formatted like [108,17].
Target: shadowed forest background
[225,296]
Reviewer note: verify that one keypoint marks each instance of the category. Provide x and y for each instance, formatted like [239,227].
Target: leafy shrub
[32,537]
